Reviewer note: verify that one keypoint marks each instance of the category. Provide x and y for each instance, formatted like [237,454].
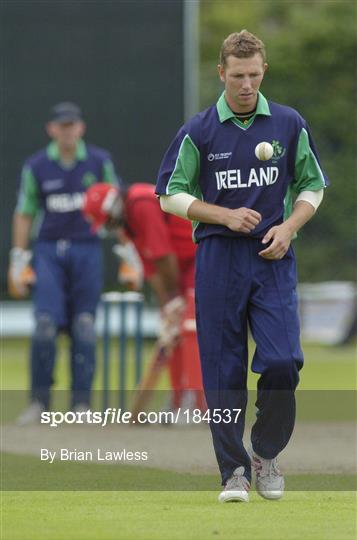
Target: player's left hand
[280,237]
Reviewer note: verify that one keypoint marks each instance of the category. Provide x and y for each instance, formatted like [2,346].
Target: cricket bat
[150,380]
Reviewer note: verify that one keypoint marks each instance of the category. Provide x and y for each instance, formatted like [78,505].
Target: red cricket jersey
[155,233]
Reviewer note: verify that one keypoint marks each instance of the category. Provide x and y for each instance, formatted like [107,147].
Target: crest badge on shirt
[89,179]
[279,151]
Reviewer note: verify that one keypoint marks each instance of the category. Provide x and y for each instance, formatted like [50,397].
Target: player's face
[66,134]
[242,78]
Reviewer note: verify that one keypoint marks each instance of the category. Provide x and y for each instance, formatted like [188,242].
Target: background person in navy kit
[67,255]
[244,220]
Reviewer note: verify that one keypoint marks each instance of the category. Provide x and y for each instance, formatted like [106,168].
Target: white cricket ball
[264,151]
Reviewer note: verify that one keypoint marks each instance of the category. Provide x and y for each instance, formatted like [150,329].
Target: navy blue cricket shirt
[213,158]
[53,192]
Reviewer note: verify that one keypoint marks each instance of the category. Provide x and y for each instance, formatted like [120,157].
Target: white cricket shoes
[31,415]
[268,479]
[236,488]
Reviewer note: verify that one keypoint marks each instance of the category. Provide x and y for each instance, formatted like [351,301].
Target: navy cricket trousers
[235,287]
[66,295]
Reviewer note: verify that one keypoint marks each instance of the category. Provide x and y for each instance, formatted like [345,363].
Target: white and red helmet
[101,202]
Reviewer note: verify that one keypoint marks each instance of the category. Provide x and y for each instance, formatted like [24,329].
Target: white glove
[170,323]
[131,270]
[20,274]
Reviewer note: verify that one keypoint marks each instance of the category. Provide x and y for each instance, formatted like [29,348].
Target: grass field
[325,368]
[176,516]
[172,513]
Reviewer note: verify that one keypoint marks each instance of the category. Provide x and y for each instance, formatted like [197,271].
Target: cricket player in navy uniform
[66,254]
[246,172]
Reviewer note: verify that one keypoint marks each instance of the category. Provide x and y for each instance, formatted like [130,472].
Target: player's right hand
[20,275]
[242,219]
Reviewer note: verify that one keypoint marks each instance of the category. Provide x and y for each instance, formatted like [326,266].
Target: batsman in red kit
[167,263]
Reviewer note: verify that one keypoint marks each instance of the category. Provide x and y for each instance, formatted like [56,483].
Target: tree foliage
[311,50]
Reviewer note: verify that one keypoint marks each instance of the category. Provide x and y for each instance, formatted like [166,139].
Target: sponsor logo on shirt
[64,202]
[232,179]
[221,155]
[51,185]
[279,151]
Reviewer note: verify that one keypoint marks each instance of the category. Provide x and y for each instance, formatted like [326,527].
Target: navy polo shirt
[53,192]
[213,158]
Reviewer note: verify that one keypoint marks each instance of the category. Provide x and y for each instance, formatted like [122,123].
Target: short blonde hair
[241,44]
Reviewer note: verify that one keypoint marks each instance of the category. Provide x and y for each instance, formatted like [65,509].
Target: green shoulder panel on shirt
[308,174]
[109,176]
[184,177]
[28,201]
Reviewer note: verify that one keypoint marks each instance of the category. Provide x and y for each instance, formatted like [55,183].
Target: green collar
[226,113]
[54,154]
